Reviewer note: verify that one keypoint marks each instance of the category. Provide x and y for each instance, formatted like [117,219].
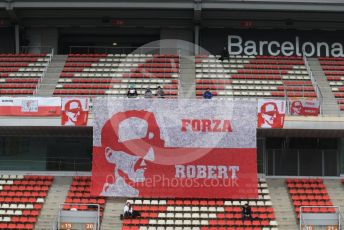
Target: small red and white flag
[304,107]
[74,111]
[30,106]
[271,113]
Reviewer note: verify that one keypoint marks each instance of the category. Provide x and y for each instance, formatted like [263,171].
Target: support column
[16,38]
[196,39]
[341,155]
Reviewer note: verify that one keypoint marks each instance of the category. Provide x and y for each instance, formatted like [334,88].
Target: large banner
[74,111]
[304,107]
[174,148]
[271,113]
[30,106]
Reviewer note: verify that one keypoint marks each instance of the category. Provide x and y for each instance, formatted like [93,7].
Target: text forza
[237,46]
[206,125]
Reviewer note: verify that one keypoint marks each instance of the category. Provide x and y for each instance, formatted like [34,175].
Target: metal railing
[122,92]
[36,50]
[48,50]
[304,226]
[122,50]
[314,83]
[60,217]
[179,83]
[55,223]
[44,73]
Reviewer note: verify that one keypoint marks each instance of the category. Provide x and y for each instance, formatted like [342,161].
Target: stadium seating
[253,76]
[21,199]
[309,192]
[79,193]
[334,71]
[107,74]
[20,73]
[203,214]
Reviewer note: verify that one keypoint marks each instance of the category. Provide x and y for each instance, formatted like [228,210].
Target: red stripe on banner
[43,111]
[182,172]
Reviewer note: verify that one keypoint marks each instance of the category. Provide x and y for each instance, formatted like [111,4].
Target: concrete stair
[329,105]
[48,84]
[284,209]
[187,83]
[57,195]
[113,209]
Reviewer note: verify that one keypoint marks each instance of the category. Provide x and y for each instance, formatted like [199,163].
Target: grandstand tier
[203,213]
[21,73]
[309,192]
[253,76]
[99,74]
[332,68]
[22,198]
[79,193]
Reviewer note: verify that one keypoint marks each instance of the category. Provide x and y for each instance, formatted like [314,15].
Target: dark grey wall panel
[7,40]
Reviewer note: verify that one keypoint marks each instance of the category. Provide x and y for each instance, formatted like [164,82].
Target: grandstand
[94,75]
[261,76]
[22,73]
[73,63]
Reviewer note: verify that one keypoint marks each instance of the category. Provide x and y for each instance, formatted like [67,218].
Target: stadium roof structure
[294,5]
[268,14]
[306,5]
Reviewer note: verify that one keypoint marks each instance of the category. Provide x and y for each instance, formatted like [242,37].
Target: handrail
[55,222]
[44,73]
[39,49]
[314,83]
[179,83]
[78,204]
[340,218]
[121,50]
[302,220]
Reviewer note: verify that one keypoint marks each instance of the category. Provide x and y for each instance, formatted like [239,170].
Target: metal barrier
[50,55]
[48,50]
[36,49]
[141,96]
[122,50]
[320,220]
[314,82]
